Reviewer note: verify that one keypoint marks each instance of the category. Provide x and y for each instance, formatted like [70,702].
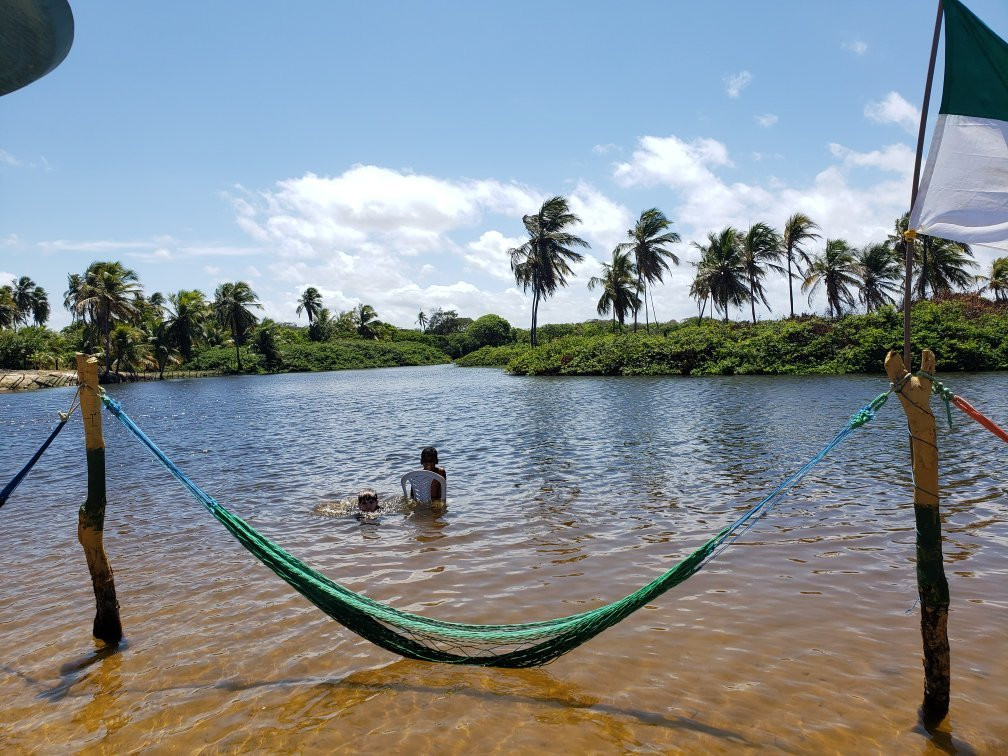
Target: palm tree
[721,269]
[186,321]
[798,230]
[879,272]
[107,296]
[760,249]
[543,262]
[8,308]
[367,321]
[619,287]
[997,281]
[231,306]
[70,296]
[421,319]
[156,303]
[132,349]
[22,290]
[649,240]
[40,306]
[834,271]
[311,303]
[163,348]
[700,289]
[323,327]
[940,265]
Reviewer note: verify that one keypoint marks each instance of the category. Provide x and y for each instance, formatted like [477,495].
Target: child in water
[428,460]
[367,501]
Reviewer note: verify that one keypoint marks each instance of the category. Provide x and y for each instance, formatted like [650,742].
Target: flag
[963,194]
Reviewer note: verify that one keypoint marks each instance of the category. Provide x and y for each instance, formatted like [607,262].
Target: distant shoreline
[26,380]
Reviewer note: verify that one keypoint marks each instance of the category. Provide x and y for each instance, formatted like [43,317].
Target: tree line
[734,266]
[112,315]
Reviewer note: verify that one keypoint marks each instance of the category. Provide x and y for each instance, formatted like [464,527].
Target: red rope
[986,422]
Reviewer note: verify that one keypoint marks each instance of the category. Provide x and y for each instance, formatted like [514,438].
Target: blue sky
[385,152]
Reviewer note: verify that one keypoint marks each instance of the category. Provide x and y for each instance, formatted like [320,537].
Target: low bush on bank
[305,356]
[964,335]
[490,356]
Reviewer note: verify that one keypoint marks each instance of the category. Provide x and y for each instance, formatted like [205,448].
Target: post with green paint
[932,586]
[91,517]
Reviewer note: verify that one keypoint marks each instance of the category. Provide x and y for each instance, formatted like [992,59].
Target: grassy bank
[966,333]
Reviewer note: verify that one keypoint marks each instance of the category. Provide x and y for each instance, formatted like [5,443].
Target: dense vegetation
[965,331]
[186,330]
[132,331]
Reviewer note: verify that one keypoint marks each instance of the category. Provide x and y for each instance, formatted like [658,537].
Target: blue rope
[772,499]
[16,481]
[198,493]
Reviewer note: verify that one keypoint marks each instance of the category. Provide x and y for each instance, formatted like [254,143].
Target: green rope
[524,644]
[938,389]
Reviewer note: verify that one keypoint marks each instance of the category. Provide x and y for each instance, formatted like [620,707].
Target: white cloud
[7,159]
[212,270]
[856,46]
[603,221]
[100,246]
[735,83]
[489,254]
[403,242]
[894,109]
[373,234]
[859,208]
[602,149]
[767,120]
[896,158]
[670,160]
[157,256]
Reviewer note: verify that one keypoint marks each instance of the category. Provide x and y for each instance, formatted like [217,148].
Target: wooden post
[91,517]
[932,587]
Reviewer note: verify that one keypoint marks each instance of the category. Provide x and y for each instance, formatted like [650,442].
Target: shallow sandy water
[566,493]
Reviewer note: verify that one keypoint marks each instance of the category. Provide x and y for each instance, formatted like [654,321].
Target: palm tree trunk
[647,320]
[535,311]
[107,327]
[752,299]
[790,288]
[638,307]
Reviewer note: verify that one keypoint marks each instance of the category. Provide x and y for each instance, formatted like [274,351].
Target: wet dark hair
[428,453]
[367,496]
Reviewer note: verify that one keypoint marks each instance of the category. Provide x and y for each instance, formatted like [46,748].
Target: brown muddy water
[564,494]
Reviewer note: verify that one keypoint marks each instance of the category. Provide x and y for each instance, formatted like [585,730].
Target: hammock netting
[414,636]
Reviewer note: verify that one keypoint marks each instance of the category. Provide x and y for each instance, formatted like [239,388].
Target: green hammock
[526,644]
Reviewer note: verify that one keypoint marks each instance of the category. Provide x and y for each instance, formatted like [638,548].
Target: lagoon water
[563,494]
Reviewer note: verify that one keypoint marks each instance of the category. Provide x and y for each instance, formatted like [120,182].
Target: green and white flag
[963,194]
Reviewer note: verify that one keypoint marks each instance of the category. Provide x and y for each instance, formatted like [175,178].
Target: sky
[385,152]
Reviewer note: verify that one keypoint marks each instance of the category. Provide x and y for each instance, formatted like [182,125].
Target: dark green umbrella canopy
[35,37]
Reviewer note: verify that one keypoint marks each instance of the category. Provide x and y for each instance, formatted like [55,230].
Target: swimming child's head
[367,500]
[428,456]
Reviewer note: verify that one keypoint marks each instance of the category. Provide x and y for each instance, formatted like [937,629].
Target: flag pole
[908,240]
[932,586]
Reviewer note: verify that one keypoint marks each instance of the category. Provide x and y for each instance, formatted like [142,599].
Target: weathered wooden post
[932,587]
[91,517]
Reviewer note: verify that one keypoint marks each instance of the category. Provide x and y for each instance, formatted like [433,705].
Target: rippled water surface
[563,494]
